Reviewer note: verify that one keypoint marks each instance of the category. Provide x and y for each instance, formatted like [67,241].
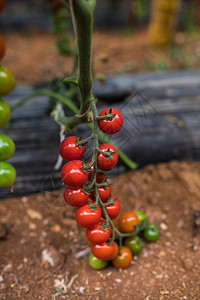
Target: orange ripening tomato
[127,221]
[2,47]
[2,5]
[124,259]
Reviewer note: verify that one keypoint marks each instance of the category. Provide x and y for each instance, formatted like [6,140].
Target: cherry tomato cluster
[88,189]
[7,146]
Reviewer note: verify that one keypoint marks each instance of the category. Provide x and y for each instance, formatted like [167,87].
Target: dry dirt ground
[33,58]
[166,270]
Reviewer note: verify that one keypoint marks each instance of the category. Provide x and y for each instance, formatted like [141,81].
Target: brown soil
[165,270]
[33,58]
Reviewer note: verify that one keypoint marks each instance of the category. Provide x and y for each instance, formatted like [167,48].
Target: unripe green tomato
[151,233]
[7,174]
[97,264]
[141,215]
[7,147]
[7,81]
[134,243]
[4,113]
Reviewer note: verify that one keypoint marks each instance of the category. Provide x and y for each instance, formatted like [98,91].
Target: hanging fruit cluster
[7,146]
[88,189]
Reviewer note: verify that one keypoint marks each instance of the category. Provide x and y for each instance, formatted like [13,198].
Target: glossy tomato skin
[141,216]
[100,177]
[96,235]
[127,221]
[97,264]
[134,243]
[86,217]
[7,81]
[113,210]
[124,259]
[103,251]
[7,147]
[110,126]
[4,113]
[115,252]
[151,233]
[104,192]
[7,174]
[75,196]
[72,174]
[107,163]
[2,46]
[69,149]
[2,5]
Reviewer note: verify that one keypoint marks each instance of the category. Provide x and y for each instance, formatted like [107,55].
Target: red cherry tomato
[75,196]
[100,177]
[104,162]
[69,150]
[127,221]
[112,125]
[124,259]
[104,192]
[96,235]
[72,173]
[103,251]
[113,210]
[86,217]
[115,253]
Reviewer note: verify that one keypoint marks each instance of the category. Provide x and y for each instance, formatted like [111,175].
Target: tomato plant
[103,251]
[115,252]
[86,217]
[123,260]
[97,235]
[70,149]
[107,156]
[104,192]
[4,113]
[75,196]
[127,221]
[7,147]
[110,125]
[7,174]
[134,243]
[141,216]
[7,81]
[100,177]
[151,233]
[72,173]
[96,263]
[113,210]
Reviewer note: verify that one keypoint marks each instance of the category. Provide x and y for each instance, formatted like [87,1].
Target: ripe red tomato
[96,235]
[69,149]
[86,217]
[115,253]
[72,173]
[103,251]
[75,196]
[124,259]
[104,162]
[127,220]
[104,192]
[113,210]
[2,5]
[7,81]
[2,46]
[110,126]
[100,177]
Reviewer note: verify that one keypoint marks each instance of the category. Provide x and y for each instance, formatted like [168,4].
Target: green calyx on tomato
[7,81]
[134,243]
[4,113]
[96,263]
[7,174]
[7,147]
[151,233]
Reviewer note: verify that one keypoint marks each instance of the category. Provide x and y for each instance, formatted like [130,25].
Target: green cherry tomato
[134,243]
[4,113]
[151,233]
[97,264]
[7,174]
[7,147]
[7,81]
[141,215]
